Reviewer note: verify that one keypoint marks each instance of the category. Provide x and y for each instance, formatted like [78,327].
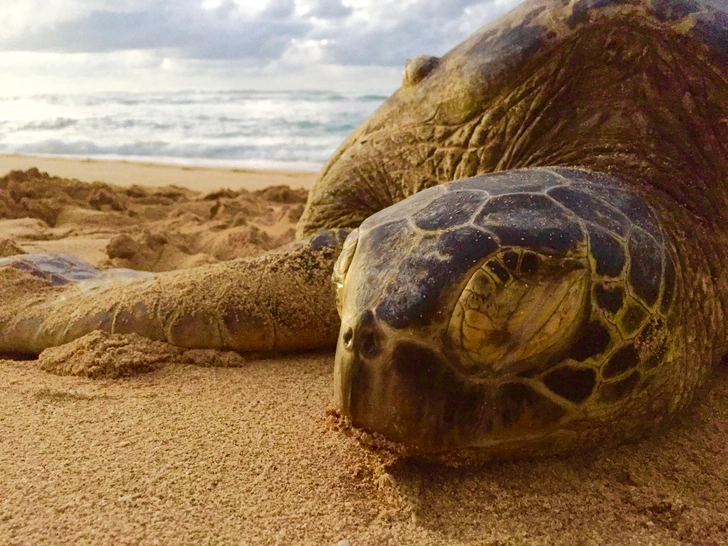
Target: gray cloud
[428,27]
[380,34]
[99,31]
[279,9]
[330,9]
[217,34]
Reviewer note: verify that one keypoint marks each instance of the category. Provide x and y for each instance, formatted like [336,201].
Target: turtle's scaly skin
[634,88]
[580,294]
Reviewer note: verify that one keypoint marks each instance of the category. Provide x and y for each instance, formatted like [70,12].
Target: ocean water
[263,129]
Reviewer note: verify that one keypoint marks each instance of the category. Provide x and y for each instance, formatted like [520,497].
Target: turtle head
[477,318]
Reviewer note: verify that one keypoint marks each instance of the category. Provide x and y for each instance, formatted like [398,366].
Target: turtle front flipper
[282,300]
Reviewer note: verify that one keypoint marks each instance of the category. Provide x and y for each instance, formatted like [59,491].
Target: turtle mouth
[403,390]
[388,382]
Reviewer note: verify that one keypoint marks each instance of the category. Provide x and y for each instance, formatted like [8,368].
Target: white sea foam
[237,129]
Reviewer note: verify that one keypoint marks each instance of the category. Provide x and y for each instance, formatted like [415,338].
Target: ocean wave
[235,125]
[49,125]
[157,148]
[201,97]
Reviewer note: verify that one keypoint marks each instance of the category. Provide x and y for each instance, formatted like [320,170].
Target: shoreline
[123,172]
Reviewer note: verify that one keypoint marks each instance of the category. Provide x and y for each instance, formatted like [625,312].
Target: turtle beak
[400,389]
[360,340]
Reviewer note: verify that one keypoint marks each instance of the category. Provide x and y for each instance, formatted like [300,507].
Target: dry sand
[154,446]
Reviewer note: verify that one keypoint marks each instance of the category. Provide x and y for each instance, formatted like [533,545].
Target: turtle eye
[415,70]
[509,321]
[341,267]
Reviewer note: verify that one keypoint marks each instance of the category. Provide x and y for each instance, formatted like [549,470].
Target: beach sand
[181,453]
[127,173]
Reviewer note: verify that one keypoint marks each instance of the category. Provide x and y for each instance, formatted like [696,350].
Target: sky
[51,46]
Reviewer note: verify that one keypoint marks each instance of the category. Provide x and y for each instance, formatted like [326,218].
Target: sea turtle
[529,236]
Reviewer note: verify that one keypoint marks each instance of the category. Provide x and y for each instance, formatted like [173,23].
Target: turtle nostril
[348,339]
[364,338]
[369,347]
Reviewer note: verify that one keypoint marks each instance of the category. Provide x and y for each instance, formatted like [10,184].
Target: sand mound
[211,358]
[152,229]
[99,354]
[8,247]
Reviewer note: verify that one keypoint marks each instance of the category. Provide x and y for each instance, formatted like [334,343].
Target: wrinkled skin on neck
[542,87]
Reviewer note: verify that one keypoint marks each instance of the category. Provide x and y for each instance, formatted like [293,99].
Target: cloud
[279,9]
[173,44]
[329,9]
[360,32]
[30,73]
[43,15]
[389,33]
[222,32]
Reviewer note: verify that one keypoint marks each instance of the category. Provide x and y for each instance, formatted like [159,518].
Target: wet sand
[126,173]
[176,453]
